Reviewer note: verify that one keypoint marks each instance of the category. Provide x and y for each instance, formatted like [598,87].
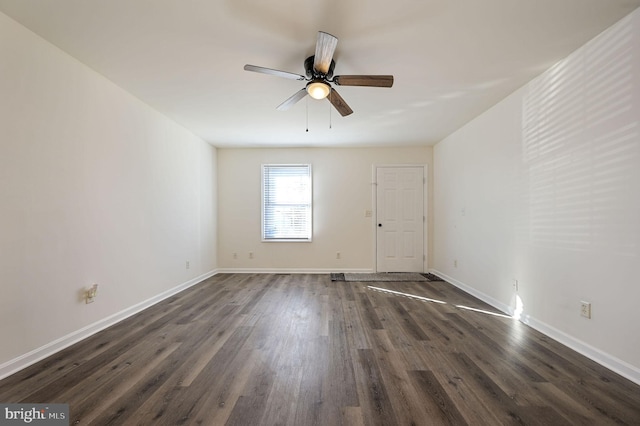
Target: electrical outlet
[235,255]
[250,255]
[585,309]
[338,255]
[188,265]
[515,285]
[455,263]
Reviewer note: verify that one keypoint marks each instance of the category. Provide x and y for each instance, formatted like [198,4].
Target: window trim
[262,202]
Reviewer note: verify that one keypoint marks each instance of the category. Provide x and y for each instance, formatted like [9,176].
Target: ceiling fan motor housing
[313,74]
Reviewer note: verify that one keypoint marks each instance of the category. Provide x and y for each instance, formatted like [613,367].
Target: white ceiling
[451,59]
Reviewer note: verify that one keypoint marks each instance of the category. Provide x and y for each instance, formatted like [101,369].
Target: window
[286,202]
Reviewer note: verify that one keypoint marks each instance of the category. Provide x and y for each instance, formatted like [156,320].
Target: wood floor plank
[401,337]
[510,412]
[299,349]
[372,391]
[352,416]
[252,403]
[341,383]
[185,403]
[129,364]
[408,323]
[394,372]
[566,406]
[436,328]
[470,405]
[608,408]
[98,408]
[504,367]
[433,392]
[358,338]
[314,376]
[368,312]
[205,352]
[218,405]
[345,291]
[283,400]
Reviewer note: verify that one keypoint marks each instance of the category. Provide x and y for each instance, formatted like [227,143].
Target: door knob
[380,225]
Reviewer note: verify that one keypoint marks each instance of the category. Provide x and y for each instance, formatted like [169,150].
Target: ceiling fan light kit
[319,73]
[318,89]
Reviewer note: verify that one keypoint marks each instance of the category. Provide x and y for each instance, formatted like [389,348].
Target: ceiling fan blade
[270,71]
[325,47]
[364,80]
[292,100]
[339,103]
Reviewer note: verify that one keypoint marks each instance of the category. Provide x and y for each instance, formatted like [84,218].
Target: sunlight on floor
[442,302]
[413,296]
[482,311]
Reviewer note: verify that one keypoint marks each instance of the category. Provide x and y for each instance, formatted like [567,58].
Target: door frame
[425,211]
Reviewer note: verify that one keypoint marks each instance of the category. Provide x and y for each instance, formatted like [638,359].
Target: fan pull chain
[330,104]
[307,108]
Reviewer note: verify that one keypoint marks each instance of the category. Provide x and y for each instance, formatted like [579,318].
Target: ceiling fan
[319,74]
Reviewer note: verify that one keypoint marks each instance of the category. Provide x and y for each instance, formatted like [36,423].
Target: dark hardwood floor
[249,349]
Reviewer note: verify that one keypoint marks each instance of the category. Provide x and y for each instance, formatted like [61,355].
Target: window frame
[263,203]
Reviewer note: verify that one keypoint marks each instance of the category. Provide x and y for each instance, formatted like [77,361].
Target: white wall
[95,187]
[544,188]
[342,192]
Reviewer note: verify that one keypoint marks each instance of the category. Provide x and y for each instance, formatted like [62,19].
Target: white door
[400,219]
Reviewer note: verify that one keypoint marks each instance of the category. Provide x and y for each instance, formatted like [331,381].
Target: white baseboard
[606,360]
[13,366]
[289,270]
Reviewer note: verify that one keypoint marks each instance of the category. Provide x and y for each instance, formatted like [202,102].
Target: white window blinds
[286,202]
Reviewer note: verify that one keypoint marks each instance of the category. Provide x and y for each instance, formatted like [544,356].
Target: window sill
[285,240]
